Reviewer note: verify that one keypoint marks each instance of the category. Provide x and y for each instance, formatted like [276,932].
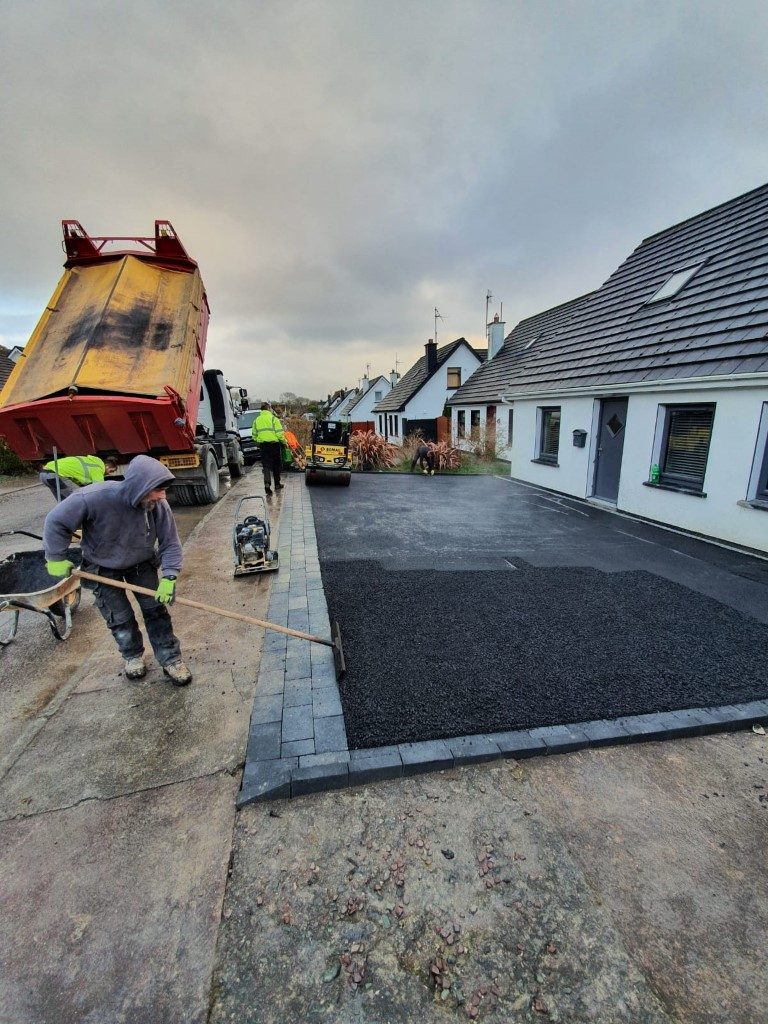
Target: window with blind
[454,377]
[687,433]
[549,438]
[461,424]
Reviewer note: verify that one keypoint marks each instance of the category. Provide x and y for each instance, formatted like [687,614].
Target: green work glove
[165,591]
[62,569]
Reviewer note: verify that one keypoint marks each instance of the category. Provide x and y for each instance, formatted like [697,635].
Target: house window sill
[759,503]
[677,489]
[546,462]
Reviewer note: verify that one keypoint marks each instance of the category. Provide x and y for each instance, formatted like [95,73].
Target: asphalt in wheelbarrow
[24,572]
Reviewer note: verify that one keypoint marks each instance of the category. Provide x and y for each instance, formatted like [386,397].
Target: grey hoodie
[117,532]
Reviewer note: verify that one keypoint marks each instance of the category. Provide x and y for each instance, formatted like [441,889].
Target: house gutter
[738,380]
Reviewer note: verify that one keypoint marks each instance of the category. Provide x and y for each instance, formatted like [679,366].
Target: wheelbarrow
[26,586]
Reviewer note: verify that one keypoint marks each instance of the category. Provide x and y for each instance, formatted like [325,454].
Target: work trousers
[427,462]
[117,611]
[271,461]
[66,487]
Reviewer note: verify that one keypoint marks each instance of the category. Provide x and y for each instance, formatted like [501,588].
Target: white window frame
[449,371]
[674,284]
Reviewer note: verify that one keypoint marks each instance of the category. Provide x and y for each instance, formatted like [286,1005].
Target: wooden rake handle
[252,620]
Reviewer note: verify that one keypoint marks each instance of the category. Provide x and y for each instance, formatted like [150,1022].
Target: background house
[478,410]
[8,359]
[418,400]
[337,400]
[358,408]
[653,396]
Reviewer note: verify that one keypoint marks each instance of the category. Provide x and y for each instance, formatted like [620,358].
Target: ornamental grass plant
[369,450]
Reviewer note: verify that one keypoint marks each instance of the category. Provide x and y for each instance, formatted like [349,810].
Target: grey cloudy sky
[340,168]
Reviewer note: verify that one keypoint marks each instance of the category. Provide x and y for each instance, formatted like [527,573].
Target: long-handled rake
[334,643]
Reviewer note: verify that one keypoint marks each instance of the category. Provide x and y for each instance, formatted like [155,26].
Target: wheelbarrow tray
[26,586]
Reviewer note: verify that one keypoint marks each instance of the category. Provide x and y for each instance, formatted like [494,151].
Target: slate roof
[417,377]
[6,365]
[348,402]
[341,398]
[716,325]
[489,381]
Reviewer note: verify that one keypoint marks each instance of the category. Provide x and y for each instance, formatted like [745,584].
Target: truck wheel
[235,470]
[184,494]
[208,493]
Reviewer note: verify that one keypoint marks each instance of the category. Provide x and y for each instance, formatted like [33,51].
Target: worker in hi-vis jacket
[75,471]
[267,431]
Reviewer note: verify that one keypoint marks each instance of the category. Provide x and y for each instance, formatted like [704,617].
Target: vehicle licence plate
[191,461]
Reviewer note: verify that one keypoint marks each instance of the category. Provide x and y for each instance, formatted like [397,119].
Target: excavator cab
[327,454]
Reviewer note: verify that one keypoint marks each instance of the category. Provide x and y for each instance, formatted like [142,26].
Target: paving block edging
[279,779]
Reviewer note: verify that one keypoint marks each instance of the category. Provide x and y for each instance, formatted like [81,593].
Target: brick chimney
[431,350]
[495,336]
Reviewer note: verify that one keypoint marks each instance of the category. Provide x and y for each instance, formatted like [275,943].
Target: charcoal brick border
[378,763]
[297,742]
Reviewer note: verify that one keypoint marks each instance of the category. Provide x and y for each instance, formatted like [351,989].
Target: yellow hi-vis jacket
[267,427]
[81,469]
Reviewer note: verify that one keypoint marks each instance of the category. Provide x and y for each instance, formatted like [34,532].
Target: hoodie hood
[144,474]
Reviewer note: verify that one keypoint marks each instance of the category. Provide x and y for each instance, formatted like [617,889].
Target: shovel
[334,643]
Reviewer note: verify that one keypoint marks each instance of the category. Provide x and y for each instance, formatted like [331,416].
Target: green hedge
[11,464]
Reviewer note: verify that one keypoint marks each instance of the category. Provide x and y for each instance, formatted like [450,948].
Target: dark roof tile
[716,325]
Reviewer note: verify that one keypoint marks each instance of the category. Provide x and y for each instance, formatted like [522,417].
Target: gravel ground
[437,654]
[435,900]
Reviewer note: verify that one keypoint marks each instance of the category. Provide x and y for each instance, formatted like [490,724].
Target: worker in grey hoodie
[128,530]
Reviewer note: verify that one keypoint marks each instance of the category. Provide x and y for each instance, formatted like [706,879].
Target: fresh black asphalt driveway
[477,604]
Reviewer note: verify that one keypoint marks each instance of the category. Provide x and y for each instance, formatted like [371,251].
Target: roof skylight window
[674,284]
[534,338]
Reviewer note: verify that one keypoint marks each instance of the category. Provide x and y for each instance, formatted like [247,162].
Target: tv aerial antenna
[438,316]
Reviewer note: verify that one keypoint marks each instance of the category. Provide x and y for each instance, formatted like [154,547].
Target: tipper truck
[115,365]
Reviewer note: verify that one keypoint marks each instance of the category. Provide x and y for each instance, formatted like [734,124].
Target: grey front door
[610,445]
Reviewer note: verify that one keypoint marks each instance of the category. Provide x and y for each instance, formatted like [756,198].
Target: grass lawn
[471,465]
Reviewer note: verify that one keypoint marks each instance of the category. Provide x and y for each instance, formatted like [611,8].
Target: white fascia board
[736,380]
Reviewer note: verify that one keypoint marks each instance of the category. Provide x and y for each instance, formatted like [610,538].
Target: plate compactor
[250,540]
[328,454]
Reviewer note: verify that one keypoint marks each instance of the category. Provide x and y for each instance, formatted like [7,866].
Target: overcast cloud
[339,168]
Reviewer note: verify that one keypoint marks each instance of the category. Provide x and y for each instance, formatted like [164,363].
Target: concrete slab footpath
[117,809]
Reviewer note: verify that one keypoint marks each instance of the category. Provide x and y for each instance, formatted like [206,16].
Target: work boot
[267,490]
[178,673]
[279,487]
[135,667]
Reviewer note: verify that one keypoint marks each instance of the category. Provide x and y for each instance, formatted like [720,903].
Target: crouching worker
[425,458]
[76,471]
[128,530]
